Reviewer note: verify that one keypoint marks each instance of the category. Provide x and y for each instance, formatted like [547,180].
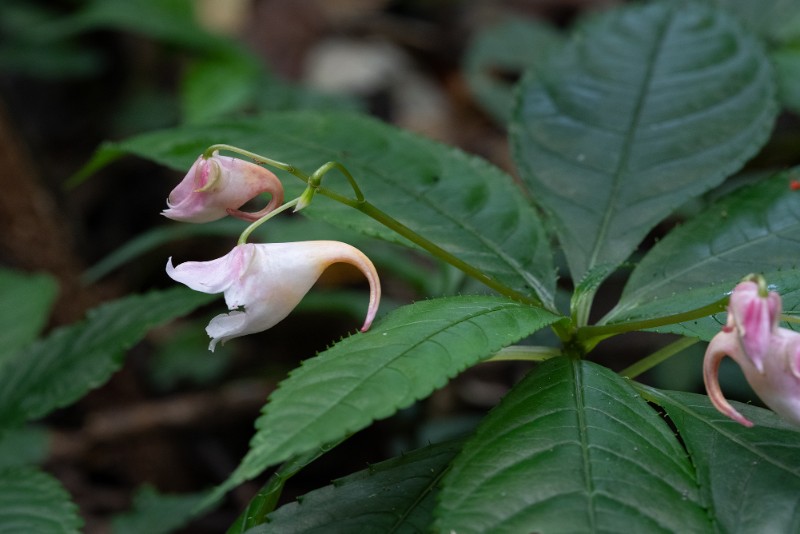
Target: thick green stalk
[595,333]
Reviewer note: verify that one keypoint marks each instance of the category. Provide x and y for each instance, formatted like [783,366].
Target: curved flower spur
[264,282]
[219,186]
[768,354]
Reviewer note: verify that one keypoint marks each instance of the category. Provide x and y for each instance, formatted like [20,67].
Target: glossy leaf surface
[396,495]
[369,376]
[756,229]
[645,108]
[749,477]
[572,448]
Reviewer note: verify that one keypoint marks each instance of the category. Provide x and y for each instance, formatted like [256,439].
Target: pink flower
[768,355]
[264,282]
[219,186]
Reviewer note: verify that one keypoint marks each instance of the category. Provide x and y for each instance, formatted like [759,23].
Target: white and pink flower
[219,186]
[264,282]
[768,354]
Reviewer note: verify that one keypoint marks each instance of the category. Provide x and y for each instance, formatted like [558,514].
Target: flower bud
[263,283]
[219,186]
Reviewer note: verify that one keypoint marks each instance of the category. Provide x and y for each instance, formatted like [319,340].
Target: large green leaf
[59,369]
[647,107]
[371,375]
[756,229]
[33,501]
[397,495]
[463,204]
[27,299]
[572,448]
[749,477]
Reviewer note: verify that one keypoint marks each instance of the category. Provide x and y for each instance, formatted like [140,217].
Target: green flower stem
[396,226]
[524,353]
[659,356]
[291,169]
[249,230]
[316,178]
[598,332]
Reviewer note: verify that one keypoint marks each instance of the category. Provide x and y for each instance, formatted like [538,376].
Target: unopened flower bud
[219,186]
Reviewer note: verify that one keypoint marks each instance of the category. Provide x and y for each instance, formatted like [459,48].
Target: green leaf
[267,497]
[755,229]
[749,477]
[787,70]
[396,495]
[647,107]
[27,301]
[217,86]
[499,55]
[572,448]
[23,446]
[156,513]
[463,204]
[171,21]
[772,20]
[59,369]
[33,501]
[371,375]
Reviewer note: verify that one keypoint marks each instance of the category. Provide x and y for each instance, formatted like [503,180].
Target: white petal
[213,276]
[226,326]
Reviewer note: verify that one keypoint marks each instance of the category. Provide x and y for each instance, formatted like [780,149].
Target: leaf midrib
[582,427]
[605,223]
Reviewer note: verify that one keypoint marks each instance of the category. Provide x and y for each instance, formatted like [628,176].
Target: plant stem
[647,363]
[524,353]
[396,226]
[587,333]
[316,178]
[249,230]
[790,319]
[291,169]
